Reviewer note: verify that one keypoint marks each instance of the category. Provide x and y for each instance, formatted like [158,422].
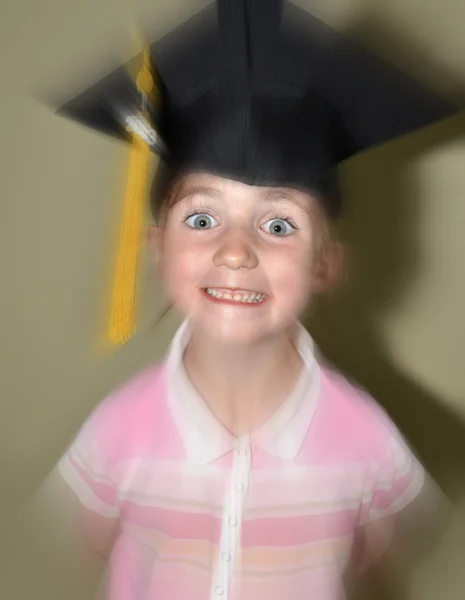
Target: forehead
[205,184]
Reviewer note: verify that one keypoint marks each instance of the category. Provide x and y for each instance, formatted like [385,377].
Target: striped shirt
[206,515]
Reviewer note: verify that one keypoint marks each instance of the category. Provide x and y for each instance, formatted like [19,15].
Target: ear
[155,240]
[328,267]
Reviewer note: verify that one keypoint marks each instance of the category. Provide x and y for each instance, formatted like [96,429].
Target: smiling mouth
[235,295]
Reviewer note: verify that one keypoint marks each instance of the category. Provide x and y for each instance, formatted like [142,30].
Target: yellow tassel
[122,310]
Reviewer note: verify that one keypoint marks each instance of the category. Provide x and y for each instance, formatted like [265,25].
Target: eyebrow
[268,195]
[196,191]
[280,194]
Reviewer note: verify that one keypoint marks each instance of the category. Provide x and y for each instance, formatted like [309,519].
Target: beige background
[397,326]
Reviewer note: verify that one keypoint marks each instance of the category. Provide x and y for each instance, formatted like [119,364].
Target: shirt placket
[230,541]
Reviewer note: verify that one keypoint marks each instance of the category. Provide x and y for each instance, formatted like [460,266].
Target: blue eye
[201,221]
[279,227]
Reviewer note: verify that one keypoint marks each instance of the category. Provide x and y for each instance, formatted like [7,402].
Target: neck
[244,386]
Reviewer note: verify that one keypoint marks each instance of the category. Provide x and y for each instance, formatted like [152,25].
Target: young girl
[241,467]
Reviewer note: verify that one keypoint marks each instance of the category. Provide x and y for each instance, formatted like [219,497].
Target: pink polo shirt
[206,515]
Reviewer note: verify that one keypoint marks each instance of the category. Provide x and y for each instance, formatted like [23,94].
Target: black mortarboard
[261,92]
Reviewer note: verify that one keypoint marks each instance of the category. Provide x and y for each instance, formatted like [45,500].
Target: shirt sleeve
[85,467]
[397,480]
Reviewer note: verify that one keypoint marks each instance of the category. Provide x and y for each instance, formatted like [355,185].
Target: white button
[232,522]
[219,590]
[243,451]
[239,487]
[225,557]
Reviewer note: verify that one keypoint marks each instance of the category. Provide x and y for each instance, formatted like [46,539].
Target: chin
[237,337]
[238,326]
[237,332]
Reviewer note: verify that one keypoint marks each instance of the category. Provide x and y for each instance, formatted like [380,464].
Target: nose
[235,252]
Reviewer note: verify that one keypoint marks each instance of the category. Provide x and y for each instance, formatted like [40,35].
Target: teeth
[249,297]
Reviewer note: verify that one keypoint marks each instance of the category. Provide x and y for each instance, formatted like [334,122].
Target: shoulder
[141,391]
[355,419]
[129,413]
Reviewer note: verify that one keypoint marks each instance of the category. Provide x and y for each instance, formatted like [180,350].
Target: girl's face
[241,262]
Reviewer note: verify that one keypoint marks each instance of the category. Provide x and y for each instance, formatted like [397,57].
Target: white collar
[206,440]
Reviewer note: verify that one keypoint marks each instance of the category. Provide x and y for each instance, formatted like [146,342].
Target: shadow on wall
[379,225]
[380,231]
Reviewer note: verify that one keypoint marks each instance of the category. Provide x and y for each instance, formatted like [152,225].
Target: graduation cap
[257,91]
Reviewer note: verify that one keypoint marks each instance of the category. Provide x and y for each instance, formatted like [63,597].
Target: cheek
[183,265]
[289,272]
